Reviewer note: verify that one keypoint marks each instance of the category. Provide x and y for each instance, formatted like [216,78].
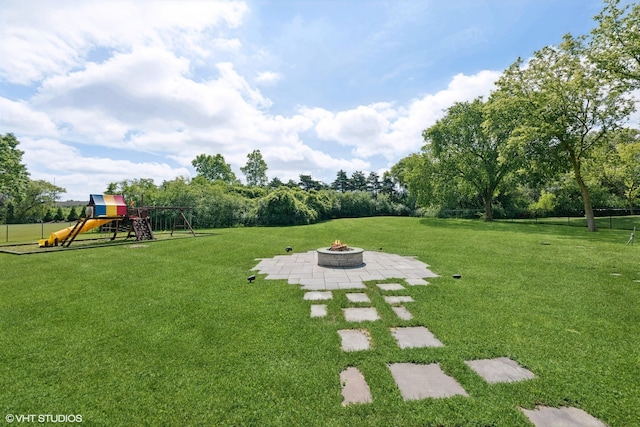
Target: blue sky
[100,92]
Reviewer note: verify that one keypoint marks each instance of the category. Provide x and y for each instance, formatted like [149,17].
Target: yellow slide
[58,236]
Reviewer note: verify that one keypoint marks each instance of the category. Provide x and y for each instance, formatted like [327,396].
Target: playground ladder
[142,228]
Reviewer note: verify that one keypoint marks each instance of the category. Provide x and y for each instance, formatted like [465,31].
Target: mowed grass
[31,233]
[172,333]
[603,222]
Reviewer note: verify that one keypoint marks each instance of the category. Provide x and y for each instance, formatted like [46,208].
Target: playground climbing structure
[112,214]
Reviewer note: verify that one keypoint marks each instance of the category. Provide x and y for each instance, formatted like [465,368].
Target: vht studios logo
[43,418]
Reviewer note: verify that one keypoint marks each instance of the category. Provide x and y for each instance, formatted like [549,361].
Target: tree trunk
[488,211]
[584,191]
[588,209]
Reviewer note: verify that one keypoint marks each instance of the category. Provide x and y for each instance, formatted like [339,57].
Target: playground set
[112,213]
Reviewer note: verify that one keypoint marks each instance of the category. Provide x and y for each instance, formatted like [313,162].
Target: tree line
[554,125]
[549,140]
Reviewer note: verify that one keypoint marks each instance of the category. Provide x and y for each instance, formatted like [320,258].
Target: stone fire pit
[340,255]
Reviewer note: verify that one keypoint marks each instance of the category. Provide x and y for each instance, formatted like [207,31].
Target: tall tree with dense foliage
[616,166]
[341,183]
[14,177]
[307,183]
[255,171]
[562,98]
[358,181]
[615,42]
[32,203]
[214,168]
[466,149]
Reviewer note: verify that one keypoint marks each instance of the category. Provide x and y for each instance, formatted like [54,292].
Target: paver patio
[303,269]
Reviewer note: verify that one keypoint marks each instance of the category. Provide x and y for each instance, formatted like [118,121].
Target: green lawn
[172,333]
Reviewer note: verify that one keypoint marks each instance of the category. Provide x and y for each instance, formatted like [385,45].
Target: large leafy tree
[615,42]
[255,171]
[469,149]
[38,196]
[140,191]
[214,168]
[566,107]
[14,177]
[616,165]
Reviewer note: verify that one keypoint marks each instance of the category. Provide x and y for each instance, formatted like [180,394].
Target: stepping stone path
[354,388]
[544,416]
[390,286]
[354,340]
[402,313]
[414,381]
[424,381]
[364,314]
[319,310]
[361,297]
[500,370]
[397,299]
[415,337]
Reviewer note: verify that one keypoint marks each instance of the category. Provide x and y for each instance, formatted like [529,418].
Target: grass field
[171,333]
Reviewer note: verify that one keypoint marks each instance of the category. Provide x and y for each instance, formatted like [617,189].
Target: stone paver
[402,312]
[544,416]
[318,310]
[303,269]
[317,296]
[354,339]
[415,337]
[399,299]
[500,370]
[357,314]
[359,297]
[417,381]
[354,387]
[390,286]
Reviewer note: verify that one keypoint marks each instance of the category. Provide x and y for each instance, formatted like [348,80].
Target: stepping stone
[354,387]
[402,313]
[366,314]
[397,299]
[500,370]
[358,297]
[417,282]
[318,310]
[544,416]
[390,286]
[318,296]
[354,340]
[424,381]
[415,337]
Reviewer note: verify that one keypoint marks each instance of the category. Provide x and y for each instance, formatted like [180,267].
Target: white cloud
[390,130]
[268,77]
[19,117]
[161,84]
[52,160]
[51,38]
